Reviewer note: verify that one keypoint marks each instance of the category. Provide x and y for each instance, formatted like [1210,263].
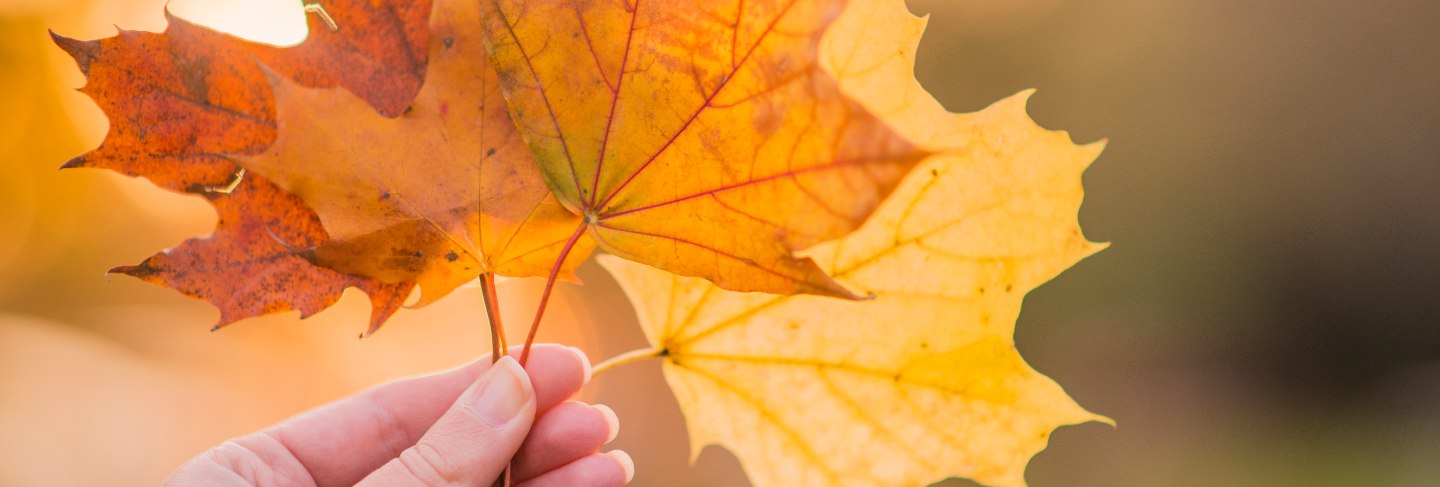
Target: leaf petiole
[498,347]
[549,286]
[492,311]
[628,357]
[230,186]
[319,10]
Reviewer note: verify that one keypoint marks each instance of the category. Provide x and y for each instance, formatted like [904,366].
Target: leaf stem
[549,286]
[626,358]
[492,312]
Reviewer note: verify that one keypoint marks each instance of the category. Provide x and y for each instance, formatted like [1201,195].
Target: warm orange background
[1266,316]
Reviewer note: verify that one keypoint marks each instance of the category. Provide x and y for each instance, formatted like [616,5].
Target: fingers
[557,373]
[253,459]
[343,442]
[595,470]
[472,443]
[568,432]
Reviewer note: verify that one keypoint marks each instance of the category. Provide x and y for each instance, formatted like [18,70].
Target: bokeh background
[1267,314]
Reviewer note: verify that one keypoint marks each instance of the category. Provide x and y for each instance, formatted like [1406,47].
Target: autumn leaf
[443,193]
[923,382]
[380,54]
[176,101]
[179,100]
[699,137]
[920,383]
[182,102]
[246,270]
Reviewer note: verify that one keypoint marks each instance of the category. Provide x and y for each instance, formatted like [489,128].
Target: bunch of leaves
[829,263]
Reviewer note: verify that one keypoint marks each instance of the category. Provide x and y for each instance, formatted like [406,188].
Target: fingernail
[625,463]
[610,419]
[584,361]
[501,395]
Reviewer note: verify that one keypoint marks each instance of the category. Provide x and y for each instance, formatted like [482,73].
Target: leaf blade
[439,195]
[184,102]
[705,158]
[922,382]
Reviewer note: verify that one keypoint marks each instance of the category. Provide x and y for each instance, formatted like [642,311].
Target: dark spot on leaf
[195,74]
[452,256]
[385,195]
[409,110]
[490,152]
[934,172]
[419,254]
[449,42]
[1009,287]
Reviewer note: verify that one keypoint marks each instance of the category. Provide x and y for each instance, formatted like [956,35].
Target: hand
[460,427]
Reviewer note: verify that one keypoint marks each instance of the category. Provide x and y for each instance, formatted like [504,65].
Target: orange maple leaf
[444,193]
[183,101]
[699,137]
[248,268]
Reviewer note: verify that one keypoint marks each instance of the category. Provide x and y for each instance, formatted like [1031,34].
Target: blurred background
[1267,314]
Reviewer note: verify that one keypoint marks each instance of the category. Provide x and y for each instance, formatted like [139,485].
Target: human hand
[460,427]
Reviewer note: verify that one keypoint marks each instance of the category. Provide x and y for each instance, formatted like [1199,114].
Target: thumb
[473,441]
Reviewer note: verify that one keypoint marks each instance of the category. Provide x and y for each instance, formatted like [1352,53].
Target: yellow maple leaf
[922,382]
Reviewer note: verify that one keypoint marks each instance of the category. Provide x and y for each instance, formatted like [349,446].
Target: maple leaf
[920,383]
[180,103]
[179,100]
[699,137]
[380,54]
[923,382]
[245,270]
[439,195]
[176,103]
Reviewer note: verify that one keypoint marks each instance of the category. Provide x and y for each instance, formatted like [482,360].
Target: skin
[460,427]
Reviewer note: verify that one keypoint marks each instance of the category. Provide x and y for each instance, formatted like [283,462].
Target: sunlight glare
[278,22]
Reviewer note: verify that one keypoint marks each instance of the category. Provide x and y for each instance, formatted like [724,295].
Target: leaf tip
[385,300]
[818,282]
[170,18]
[76,162]
[141,271]
[1097,247]
[1092,150]
[1105,420]
[377,318]
[225,321]
[84,52]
